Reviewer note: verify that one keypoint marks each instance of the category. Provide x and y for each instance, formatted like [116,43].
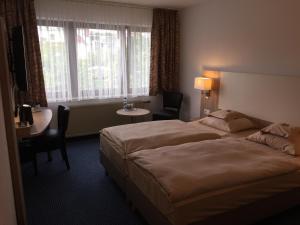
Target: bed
[149,182]
[270,98]
[202,182]
[120,141]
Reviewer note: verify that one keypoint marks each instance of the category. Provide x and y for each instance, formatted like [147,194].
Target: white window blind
[93,59]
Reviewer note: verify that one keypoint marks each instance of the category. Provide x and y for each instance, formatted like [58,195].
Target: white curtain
[55,60]
[100,61]
[139,61]
[94,51]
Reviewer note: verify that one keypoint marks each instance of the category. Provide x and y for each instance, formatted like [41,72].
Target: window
[55,63]
[90,61]
[139,55]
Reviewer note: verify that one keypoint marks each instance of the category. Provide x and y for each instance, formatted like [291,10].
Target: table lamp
[204,84]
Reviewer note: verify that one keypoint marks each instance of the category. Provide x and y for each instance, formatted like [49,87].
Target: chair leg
[34,161]
[65,155]
[49,156]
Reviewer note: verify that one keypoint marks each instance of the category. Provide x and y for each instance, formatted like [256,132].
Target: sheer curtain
[100,61]
[139,55]
[54,51]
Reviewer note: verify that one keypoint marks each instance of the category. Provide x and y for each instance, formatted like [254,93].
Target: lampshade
[203,83]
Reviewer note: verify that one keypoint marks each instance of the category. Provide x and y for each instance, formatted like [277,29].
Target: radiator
[90,118]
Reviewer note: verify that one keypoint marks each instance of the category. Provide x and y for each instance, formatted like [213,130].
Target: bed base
[244,215]
[113,171]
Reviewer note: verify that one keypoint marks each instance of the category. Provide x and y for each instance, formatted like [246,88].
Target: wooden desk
[41,121]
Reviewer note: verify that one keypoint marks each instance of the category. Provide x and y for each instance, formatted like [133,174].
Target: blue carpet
[84,195]
[81,196]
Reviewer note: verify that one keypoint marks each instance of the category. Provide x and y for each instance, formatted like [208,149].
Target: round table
[136,112]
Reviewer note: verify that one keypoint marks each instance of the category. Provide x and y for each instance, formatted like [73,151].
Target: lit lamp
[204,84]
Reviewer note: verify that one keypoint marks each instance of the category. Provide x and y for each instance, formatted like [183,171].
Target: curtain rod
[100,2]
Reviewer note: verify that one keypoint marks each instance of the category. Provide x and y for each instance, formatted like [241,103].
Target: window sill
[90,102]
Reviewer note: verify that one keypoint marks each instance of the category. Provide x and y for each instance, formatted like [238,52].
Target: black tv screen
[18,58]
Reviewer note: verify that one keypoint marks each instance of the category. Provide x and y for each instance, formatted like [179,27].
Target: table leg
[132,119]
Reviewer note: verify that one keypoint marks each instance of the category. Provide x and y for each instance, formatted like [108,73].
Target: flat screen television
[18,58]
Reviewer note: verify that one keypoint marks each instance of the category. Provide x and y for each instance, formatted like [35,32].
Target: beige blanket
[134,137]
[188,170]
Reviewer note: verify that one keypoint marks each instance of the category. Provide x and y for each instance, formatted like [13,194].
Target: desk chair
[51,140]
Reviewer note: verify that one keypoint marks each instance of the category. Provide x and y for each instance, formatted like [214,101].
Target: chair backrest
[172,100]
[63,113]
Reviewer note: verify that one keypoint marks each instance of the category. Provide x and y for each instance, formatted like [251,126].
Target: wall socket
[206,112]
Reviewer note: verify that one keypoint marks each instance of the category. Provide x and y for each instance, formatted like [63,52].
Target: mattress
[134,137]
[213,197]
[109,149]
[114,152]
[116,147]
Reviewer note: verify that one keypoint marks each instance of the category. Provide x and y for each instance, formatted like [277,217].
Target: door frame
[14,160]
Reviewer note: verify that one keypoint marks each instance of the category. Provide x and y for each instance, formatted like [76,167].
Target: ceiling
[161,3]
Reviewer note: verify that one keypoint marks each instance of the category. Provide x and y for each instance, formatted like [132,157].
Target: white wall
[7,208]
[239,36]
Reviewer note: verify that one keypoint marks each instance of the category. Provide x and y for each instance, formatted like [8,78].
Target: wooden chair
[51,140]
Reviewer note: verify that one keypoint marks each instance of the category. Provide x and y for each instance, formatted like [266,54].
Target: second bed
[189,183]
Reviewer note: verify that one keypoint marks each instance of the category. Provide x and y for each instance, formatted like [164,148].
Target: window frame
[58,24]
[70,37]
[134,29]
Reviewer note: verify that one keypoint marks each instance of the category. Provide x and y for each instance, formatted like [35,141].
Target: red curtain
[164,70]
[22,12]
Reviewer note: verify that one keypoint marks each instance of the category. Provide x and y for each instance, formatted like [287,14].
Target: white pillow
[273,141]
[232,126]
[226,115]
[281,130]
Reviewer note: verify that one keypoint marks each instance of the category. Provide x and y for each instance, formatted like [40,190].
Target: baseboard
[83,136]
